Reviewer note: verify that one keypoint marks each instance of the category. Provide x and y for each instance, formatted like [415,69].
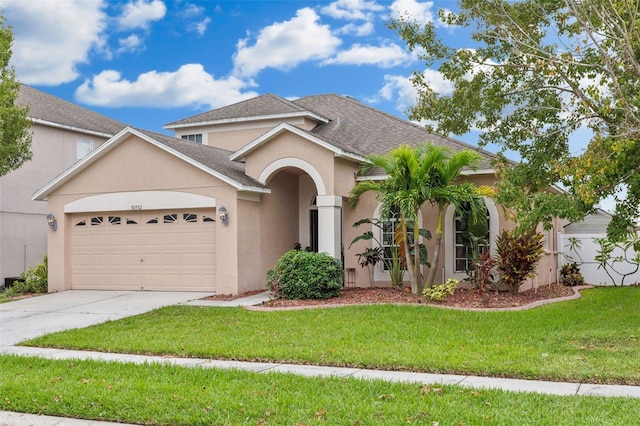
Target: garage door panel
[163,250]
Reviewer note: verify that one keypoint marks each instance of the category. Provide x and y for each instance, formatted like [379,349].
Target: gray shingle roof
[255,107]
[211,157]
[43,106]
[362,130]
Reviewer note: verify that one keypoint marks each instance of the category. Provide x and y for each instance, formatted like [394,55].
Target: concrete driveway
[35,316]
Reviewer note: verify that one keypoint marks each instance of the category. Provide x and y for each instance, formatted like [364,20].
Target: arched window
[457,242]
[471,238]
[384,236]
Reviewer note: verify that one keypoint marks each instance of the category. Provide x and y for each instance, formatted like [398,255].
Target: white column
[329,224]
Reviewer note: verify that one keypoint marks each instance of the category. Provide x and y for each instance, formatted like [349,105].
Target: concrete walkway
[71,309]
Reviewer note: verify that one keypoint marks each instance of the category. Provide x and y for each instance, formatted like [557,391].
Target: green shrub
[518,255]
[34,281]
[439,292]
[570,275]
[305,275]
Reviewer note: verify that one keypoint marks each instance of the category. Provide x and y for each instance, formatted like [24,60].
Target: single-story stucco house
[213,208]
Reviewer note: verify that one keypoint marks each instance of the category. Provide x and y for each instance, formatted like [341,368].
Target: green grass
[594,339]
[168,395]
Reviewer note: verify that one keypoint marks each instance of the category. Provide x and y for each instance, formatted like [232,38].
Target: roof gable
[213,161]
[259,108]
[52,111]
[285,127]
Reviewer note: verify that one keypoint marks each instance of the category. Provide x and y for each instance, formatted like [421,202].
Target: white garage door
[147,250]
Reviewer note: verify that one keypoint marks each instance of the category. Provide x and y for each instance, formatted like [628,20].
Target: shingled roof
[346,123]
[261,106]
[211,157]
[48,109]
[363,130]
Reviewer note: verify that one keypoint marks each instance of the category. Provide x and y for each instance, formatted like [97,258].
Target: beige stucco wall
[279,217]
[289,145]
[23,227]
[121,170]
[250,248]
[236,134]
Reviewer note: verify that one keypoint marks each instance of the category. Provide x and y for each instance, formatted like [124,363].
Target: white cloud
[192,10]
[283,45]
[133,43]
[201,27]
[359,30]
[386,56]
[50,40]
[421,12]
[400,88]
[351,9]
[140,13]
[190,85]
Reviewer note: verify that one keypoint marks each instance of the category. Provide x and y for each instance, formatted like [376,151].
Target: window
[170,218]
[197,138]
[389,227]
[95,221]
[190,217]
[467,240]
[115,220]
[83,148]
[208,219]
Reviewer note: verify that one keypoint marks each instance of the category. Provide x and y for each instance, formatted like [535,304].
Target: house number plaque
[136,207]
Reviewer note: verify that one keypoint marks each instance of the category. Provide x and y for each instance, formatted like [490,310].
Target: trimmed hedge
[305,275]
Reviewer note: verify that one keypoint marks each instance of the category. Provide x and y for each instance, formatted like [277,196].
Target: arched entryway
[299,208]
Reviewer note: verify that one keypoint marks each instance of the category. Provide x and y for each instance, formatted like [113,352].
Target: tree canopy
[15,138]
[541,73]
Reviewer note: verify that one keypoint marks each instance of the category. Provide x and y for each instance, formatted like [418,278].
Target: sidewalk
[513,385]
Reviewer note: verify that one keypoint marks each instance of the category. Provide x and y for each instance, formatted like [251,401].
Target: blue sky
[150,62]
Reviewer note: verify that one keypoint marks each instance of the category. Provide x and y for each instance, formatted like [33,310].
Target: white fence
[586,253]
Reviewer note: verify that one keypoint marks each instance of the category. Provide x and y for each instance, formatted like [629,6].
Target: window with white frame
[389,227]
[83,148]
[466,241]
[197,138]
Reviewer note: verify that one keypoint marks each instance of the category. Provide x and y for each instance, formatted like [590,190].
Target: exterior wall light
[53,223]
[224,217]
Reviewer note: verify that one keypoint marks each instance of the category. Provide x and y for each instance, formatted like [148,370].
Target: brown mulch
[461,299]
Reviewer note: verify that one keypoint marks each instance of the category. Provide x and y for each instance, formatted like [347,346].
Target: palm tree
[414,176]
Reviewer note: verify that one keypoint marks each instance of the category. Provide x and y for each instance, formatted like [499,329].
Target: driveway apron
[35,316]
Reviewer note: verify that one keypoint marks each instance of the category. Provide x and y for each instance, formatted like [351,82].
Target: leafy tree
[15,139]
[541,71]
[416,175]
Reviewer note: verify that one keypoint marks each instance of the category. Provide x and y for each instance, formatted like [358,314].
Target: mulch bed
[461,299]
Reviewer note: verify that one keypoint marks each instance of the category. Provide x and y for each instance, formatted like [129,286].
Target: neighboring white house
[63,133]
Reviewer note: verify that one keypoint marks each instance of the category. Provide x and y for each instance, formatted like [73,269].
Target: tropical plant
[518,254]
[570,274]
[369,258]
[305,275]
[393,262]
[611,255]
[482,275]
[440,292]
[15,139]
[414,176]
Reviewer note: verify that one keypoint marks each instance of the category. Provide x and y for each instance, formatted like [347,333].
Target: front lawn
[594,339]
[168,395]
